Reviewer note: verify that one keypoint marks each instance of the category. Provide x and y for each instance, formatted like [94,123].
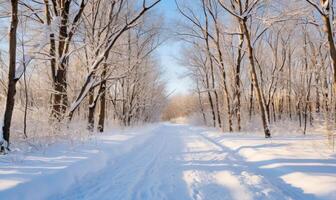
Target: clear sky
[174,73]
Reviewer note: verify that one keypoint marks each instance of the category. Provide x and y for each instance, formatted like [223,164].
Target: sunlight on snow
[313,183]
[8,183]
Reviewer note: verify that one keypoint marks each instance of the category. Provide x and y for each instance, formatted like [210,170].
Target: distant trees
[180,106]
[264,58]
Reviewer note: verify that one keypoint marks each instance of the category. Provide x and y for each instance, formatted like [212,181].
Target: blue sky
[174,73]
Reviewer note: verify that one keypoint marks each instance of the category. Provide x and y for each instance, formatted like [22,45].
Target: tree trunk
[267,108]
[311,117]
[255,80]
[332,49]
[317,94]
[55,98]
[217,109]
[212,76]
[101,119]
[60,102]
[237,78]
[251,101]
[91,110]
[222,68]
[290,83]
[298,108]
[212,109]
[10,101]
[274,111]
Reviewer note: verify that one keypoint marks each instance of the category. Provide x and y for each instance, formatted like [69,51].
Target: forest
[272,60]
[73,61]
[92,108]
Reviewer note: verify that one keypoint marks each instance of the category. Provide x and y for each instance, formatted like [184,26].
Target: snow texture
[174,161]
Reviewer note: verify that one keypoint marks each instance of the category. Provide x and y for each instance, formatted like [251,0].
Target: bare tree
[60,48]
[12,76]
[324,11]
[107,44]
[243,16]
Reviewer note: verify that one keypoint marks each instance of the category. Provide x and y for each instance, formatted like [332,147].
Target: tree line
[275,60]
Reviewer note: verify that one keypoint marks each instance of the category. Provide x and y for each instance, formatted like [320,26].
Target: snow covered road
[151,171]
[177,162]
[182,162]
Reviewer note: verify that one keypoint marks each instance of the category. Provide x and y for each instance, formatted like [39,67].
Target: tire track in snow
[138,186]
[125,176]
[161,167]
[161,180]
[92,186]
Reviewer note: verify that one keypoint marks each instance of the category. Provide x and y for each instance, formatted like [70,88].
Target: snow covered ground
[174,161]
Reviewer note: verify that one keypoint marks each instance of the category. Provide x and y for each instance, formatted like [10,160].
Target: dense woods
[68,61]
[272,60]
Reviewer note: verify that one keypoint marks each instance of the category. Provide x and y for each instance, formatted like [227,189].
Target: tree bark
[201,104]
[251,101]
[92,107]
[101,120]
[290,83]
[237,78]
[59,67]
[10,101]
[211,103]
[60,99]
[255,79]
[332,48]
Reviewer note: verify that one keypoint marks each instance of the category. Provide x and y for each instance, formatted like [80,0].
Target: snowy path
[151,171]
[181,162]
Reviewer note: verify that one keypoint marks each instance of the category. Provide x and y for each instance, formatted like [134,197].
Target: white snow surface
[175,162]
